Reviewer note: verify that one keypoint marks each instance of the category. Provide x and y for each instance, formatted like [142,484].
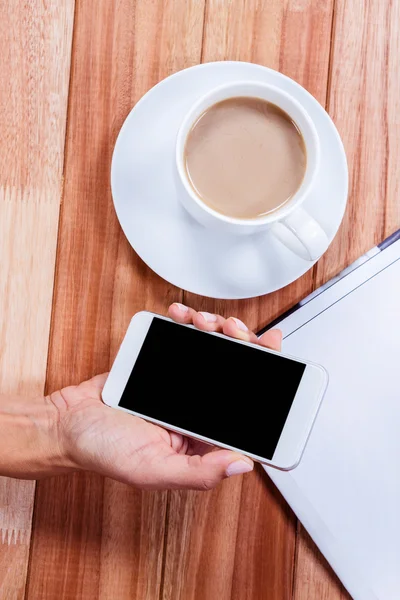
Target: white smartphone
[216,389]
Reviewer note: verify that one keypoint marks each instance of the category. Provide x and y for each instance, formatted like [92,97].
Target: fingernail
[208,317]
[181,307]
[238,468]
[240,324]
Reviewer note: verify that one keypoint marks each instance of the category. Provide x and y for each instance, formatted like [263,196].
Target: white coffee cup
[291,223]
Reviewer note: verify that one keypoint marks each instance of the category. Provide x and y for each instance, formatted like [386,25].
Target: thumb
[203,472]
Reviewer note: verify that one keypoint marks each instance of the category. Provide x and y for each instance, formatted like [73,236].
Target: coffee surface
[245,157]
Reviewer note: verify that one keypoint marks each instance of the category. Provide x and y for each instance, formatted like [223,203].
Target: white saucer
[167,239]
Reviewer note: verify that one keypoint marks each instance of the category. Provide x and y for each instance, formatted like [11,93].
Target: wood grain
[363,102]
[392,196]
[191,513]
[262,566]
[314,579]
[95,538]
[35,46]
[264,556]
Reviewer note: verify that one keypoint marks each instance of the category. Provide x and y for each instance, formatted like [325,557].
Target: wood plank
[294,37]
[314,579]
[93,538]
[392,196]
[35,46]
[192,552]
[364,102]
[264,556]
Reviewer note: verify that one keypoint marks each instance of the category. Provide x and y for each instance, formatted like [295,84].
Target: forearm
[29,438]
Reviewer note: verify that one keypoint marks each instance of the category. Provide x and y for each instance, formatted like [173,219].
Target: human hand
[72,430]
[98,438]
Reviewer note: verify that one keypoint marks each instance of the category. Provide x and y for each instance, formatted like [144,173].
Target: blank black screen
[208,385]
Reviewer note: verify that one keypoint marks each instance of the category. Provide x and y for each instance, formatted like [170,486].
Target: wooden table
[69,281]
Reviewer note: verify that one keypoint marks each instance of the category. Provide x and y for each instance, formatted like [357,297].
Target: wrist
[30,445]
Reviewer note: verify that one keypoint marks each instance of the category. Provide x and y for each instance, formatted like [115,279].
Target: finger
[200,472]
[180,313]
[208,322]
[235,328]
[179,442]
[98,381]
[271,339]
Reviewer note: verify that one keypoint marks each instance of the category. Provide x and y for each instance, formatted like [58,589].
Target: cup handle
[301,233]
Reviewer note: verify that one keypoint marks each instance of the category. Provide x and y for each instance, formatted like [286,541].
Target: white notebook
[346,490]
